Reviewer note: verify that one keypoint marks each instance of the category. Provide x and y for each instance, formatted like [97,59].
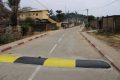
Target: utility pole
[87,17]
[65,7]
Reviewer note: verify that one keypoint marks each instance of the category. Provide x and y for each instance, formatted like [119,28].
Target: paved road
[57,44]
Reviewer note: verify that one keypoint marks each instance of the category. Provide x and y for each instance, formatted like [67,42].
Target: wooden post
[107,24]
[114,24]
[46,27]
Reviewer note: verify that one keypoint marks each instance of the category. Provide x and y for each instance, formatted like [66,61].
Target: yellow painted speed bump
[8,58]
[55,62]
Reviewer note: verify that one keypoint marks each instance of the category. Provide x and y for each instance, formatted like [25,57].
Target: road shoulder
[107,51]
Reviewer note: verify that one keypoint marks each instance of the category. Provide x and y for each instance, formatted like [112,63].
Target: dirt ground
[112,40]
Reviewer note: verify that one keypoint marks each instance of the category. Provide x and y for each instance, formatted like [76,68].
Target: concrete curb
[101,53]
[9,46]
[20,43]
[5,49]
[55,62]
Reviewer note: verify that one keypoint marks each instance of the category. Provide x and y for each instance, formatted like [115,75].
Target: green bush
[29,21]
[7,38]
[87,25]
[26,24]
[25,28]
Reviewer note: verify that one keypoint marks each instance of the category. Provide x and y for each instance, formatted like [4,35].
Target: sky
[96,7]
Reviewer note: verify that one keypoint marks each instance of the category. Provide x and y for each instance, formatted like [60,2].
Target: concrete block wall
[117,24]
[111,24]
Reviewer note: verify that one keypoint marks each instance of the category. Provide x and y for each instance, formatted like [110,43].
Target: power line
[105,5]
[38,3]
[101,6]
[41,4]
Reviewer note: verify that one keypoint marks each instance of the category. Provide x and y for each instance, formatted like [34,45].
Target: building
[41,14]
[97,23]
[42,19]
[111,23]
[108,24]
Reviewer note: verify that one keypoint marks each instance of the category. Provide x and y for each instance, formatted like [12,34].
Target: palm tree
[58,11]
[4,12]
[14,5]
[60,15]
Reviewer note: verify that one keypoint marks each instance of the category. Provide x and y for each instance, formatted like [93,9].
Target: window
[21,15]
[29,14]
[36,14]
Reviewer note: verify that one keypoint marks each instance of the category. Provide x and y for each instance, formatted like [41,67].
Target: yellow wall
[43,14]
[58,24]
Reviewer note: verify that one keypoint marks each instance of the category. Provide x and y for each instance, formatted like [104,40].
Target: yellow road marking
[8,58]
[55,62]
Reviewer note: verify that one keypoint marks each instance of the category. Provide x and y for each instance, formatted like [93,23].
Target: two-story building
[42,18]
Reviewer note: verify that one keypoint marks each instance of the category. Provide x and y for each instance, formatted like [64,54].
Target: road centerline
[38,68]
[60,39]
[53,49]
[34,73]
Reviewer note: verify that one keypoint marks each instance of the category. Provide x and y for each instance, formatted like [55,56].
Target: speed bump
[92,64]
[8,58]
[55,62]
[60,62]
[30,60]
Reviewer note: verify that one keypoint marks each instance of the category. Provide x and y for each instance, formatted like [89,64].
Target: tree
[91,18]
[51,12]
[0,1]
[4,12]
[59,11]
[14,5]
[60,15]
[27,26]
[16,29]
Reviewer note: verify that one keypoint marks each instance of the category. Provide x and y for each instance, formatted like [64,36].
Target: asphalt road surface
[66,43]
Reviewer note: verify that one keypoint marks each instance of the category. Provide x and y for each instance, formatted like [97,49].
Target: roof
[33,11]
[112,16]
